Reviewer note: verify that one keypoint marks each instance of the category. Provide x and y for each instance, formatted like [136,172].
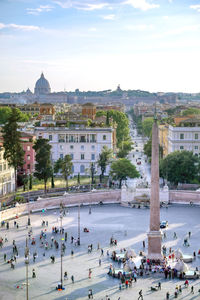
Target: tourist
[192,289]
[4,256]
[189,234]
[99,262]
[194,254]
[65,275]
[167,295]
[180,289]
[140,295]
[72,278]
[101,252]
[186,283]
[143,243]
[175,236]
[72,252]
[33,273]
[89,273]
[90,294]
[159,285]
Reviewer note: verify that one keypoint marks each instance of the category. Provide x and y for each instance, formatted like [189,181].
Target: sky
[151,45]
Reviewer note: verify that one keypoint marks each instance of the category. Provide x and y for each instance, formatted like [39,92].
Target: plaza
[128,226]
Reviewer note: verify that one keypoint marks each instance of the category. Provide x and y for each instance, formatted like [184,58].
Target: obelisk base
[154,245]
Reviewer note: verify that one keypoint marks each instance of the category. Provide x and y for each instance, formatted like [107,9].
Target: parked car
[164,224]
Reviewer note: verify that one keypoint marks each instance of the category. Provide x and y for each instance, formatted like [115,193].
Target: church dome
[42,86]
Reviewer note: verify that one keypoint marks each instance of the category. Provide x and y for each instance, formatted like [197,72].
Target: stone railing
[185,197]
[112,196]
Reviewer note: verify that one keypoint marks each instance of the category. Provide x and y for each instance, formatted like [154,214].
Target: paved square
[103,222]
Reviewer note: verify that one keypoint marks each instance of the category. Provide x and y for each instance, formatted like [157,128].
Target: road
[137,154]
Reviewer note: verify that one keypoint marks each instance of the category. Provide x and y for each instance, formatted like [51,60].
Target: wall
[184,197]
[69,199]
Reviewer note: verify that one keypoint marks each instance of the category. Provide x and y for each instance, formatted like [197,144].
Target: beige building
[7,178]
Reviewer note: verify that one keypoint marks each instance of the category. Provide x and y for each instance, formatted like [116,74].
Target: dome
[42,86]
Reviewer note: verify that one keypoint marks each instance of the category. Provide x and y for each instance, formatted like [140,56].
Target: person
[167,295]
[4,256]
[143,244]
[189,234]
[72,278]
[140,295]
[159,285]
[186,283]
[90,273]
[65,236]
[72,252]
[101,252]
[180,289]
[65,275]
[192,289]
[52,258]
[90,294]
[99,261]
[175,236]
[33,273]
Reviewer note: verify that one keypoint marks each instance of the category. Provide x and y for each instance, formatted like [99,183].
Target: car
[164,224]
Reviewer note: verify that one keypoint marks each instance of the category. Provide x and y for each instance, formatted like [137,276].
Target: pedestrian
[143,244]
[135,276]
[33,273]
[65,236]
[72,252]
[194,254]
[90,294]
[47,223]
[98,246]
[4,256]
[90,273]
[180,289]
[72,278]
[99,261]
[65,275]
[101,252]
[167,295]
[189,234]
[107,252]
[192,289]
[140,295]
[175,236]
[159,285]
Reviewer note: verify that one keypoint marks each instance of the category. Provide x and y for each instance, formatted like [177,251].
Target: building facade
[83,144]
[184,138]
[7,175]
[27,142]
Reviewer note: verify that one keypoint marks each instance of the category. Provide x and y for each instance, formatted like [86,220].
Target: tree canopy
[124,148]
[65,166]
[13,150]
[122,169]
[104,159]
[43,168]
[148,149]
[5,112]
[179,167]
[147,126]
[191,111]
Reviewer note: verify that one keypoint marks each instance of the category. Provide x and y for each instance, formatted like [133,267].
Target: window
[92,138]
[50,137]
[196,136]
[92,156]
[82,156]
[61,138]
[82,139]
[93,147]
[72,155]
[71,147]
[181,147]
[104,137]
[82,169]
[82,147]
[28,148]
[61,155]
[196,147]
[71,138]
[61,147]
[182,136]
[29,166]
[28,157]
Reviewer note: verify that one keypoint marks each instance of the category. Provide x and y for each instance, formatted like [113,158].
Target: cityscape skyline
[95,45]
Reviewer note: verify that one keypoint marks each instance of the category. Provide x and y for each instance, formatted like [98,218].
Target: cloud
[81,5]
[92,29]
[177,31]
[38,10]
[109,17]
[19,27]
[196,7]
[139,27]
[141,4]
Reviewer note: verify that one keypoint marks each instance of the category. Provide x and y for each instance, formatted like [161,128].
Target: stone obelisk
[154,235]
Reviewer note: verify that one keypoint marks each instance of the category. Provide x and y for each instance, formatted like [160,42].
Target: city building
[27,141]
[89,110]
[7,175]
[163,138]
[83,144]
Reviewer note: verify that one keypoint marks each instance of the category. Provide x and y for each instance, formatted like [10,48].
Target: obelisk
[154,235]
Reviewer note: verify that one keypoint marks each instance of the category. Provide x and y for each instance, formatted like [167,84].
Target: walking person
[143,243]
[90,273]
[33,273]
[99,262]
[90,294]
[192,289]
[72,278]
[140,295]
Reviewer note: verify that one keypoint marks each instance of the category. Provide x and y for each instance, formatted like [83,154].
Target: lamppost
[60,287]
[29,218]
[79,226]
[27,263]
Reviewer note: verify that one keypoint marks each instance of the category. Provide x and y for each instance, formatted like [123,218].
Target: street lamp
[79,226]
[29,218]
[60,286]
[27,263]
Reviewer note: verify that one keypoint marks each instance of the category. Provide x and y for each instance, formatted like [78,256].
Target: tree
[43,169]
[107,119]
[121,169]
[124,149]
[191,111]
[5,112]
[147,126]
[179,166]
[13,151]
[78,179]
[65,166]
[148,148]
[30,182]
[104,159]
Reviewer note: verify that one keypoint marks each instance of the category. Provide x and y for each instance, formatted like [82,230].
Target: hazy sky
[97,44]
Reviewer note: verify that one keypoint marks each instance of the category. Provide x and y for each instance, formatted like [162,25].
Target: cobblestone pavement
[103,222]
